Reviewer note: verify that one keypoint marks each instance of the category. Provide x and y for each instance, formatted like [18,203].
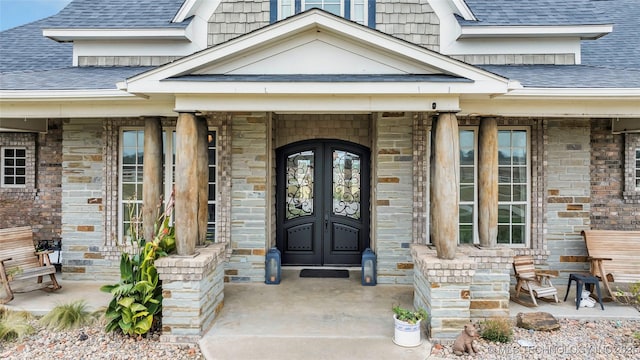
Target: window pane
[504,174]
[504,234]
[466,214]
[9,153]
[519,174]
[519,156]
[466,193]
[504,214]
[467,175]
[517,234]
[518,213]
[519,192]
[20,180]
[504,192]
[504,156]
[466,234]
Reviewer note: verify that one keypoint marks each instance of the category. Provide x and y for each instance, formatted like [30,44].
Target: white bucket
[406,334]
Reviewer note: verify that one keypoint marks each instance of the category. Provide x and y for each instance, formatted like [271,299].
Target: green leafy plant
[68,316]
[409,316]
[14,325]
[137,299]
[631,296]
[497,330]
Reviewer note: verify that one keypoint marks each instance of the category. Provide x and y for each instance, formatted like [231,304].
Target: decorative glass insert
[346,184]
[14,167]
[467,186]
[512,186]
[299,182]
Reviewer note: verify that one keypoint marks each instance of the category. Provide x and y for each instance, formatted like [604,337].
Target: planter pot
[406,334]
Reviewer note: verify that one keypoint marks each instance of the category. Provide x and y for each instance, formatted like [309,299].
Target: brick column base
[443,288]
[192,290]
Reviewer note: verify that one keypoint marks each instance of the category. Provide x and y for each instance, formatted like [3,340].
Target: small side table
[580,280]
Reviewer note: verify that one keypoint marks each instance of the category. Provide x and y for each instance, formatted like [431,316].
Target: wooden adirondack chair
[536,282]
[19,262]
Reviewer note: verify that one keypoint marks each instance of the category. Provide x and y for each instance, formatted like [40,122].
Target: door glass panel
[299,184]
[346,184]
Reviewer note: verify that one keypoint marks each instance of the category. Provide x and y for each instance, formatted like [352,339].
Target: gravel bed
[91,342]
[576,339]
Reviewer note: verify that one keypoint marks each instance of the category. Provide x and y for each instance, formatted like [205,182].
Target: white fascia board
[463,10]
[300,103]
[572,93]
[323,22]
[387,88]
[623,107]
[86,107]
[65,35]
[48,95]
[584,32]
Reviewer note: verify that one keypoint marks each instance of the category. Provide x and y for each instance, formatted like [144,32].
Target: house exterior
[446,135]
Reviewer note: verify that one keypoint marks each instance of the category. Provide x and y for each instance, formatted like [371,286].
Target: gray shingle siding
[410,20]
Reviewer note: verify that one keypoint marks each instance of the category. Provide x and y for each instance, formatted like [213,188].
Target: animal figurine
[464,341]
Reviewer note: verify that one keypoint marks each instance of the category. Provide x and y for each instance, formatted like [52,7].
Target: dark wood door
[322,202]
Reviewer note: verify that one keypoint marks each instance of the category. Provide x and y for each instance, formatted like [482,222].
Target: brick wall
[38,204]
[610,211]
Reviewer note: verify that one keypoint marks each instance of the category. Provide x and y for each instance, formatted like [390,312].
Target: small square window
[14,167]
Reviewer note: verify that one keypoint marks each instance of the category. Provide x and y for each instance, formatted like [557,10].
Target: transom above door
[322,197]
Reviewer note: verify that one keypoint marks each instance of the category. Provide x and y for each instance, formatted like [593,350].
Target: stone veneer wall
[568,203]
[249,213]
[474,286]
[392,217]
[38,204]
[192,291]
[83,171]
[290,128]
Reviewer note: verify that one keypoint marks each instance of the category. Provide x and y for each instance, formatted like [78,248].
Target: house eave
[67,35]
[75,95]
[585,32]
[572,93]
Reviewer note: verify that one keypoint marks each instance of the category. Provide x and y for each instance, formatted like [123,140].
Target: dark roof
[24,48]
[324,78]
[110,14]
[70,78]
[620,48]
[568,76]
[534,12]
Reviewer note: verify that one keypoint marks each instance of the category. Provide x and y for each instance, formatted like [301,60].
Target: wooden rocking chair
[536,282]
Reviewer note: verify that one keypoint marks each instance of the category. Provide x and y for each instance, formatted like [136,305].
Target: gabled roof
[120,14]
[534,12]
[320,46]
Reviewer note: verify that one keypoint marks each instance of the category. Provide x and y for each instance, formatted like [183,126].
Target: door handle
[326,222]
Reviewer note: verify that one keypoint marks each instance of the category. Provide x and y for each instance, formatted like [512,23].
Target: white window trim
[2,168]
[168,146]
[352,7]
[527,238]
[474,223]
[476,237]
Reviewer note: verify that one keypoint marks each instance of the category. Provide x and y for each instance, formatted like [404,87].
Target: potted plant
[407,326]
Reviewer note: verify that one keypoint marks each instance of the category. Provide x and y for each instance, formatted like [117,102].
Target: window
[131,176]
[360,11]
[513,186]
[14,167]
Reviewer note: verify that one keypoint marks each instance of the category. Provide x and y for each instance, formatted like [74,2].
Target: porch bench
[19,262]
[613,256]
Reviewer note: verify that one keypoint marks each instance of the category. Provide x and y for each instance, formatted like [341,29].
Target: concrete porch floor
[308,318]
